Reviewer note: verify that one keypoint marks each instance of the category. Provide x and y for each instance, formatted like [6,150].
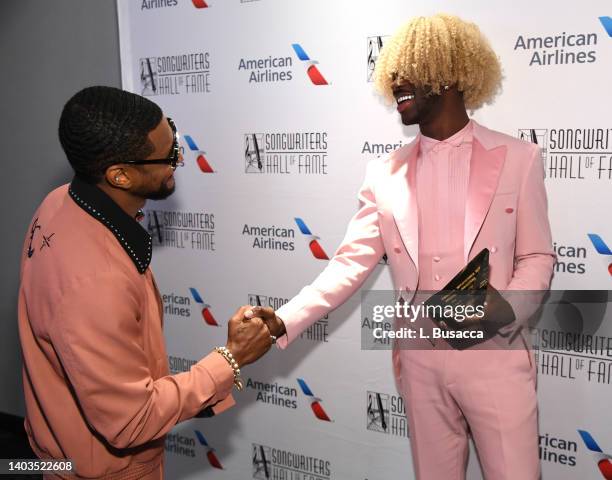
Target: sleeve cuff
[282,342]
[224,404]
[220,371]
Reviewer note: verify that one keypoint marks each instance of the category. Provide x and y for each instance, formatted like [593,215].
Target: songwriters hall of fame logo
[573,154]
[273,463]
[386,414]
[186,73]
[262,466]
[284,153]
[317,332]
[181,229]
[539,136]
[375,45]
[253,153]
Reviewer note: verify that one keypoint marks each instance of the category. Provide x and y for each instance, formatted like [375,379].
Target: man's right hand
[247,339]
[267,314]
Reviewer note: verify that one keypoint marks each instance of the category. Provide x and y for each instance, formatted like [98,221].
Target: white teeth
[404,98]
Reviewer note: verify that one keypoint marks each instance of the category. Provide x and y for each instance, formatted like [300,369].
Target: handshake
[251,332]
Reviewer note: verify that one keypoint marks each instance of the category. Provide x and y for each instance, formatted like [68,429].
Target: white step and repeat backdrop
[278,117]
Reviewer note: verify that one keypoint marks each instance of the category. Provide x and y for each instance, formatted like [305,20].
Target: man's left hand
[497,314]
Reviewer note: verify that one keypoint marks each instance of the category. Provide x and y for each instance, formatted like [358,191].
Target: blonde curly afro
[440,50]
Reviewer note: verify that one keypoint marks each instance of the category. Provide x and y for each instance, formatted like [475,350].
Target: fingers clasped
[263,315]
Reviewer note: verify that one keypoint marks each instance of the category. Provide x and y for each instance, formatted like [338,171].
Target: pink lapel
[485,168]
[404,201]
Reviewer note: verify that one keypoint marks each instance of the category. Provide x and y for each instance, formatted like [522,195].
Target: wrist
[280,328]
[233,363]
[236,353]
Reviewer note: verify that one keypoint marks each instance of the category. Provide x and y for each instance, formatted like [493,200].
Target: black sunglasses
[172,160]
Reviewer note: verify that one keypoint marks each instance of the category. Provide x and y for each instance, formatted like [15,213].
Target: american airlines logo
[601,458]
[316,77]
[315,402]
[200,155]
[602,248]
[213,460]
[207,315]
[313,241]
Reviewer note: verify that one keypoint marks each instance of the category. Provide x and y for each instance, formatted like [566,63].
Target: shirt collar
[134,239]
[464,135]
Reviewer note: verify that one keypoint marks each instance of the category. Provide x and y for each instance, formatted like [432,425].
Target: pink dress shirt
[443,171]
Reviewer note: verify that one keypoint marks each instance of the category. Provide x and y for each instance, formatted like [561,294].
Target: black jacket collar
[133,238]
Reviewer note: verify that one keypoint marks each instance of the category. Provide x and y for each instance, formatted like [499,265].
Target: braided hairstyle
[102,126]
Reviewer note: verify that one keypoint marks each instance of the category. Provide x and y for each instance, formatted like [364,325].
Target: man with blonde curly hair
[432,206]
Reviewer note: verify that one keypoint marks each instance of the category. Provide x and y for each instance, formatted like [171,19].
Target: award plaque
[468,287]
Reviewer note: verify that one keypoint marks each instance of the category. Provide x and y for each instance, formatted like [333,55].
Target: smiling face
[416,105]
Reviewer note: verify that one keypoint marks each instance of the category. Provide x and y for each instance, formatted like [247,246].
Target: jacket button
[493,249]
[509,210]
[397,250]
[436,259]
[437,278]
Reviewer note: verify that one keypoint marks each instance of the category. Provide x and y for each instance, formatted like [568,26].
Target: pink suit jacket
[506,212]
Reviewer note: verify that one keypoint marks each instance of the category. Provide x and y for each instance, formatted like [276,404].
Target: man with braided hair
[95,369]
[432,206]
